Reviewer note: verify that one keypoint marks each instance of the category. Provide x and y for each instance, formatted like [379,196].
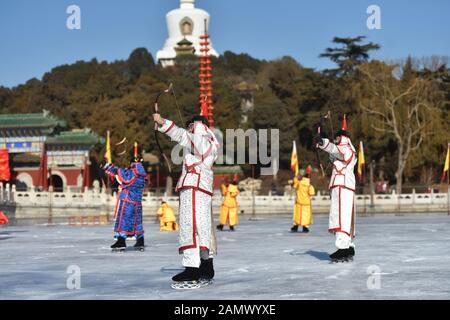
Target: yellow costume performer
[167,220]
[229,208]
[302,208]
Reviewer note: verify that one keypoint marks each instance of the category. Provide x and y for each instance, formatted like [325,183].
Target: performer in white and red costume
[196,189]
[342,190]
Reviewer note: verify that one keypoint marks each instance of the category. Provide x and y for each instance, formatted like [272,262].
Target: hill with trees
[399,110]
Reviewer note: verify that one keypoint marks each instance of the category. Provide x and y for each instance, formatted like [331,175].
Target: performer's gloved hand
[104,165]
[158,119]
[317,140]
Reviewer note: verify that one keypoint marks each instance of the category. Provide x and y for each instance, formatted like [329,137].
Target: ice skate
[220,227]
[294,229]
[232,228]
[139,245]
[305,230]
[120,245]
[186,280]
[341,255]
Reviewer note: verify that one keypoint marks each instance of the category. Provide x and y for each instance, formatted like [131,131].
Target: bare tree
[402,108]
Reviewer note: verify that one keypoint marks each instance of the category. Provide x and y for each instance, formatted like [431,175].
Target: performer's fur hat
[197,118]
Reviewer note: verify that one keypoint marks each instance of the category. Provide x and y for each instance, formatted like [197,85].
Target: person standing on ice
[167,220]
[302,207]
[342,188]
[128,212]
[229,208]
[195,186]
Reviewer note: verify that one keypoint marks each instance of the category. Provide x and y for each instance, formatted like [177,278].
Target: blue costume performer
[128,213]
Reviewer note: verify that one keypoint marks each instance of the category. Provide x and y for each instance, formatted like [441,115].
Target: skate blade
[141,249]
[205,282]
[340,260]
[118,249]
[186,285]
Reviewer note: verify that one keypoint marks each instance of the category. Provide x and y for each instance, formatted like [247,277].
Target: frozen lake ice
[397,257]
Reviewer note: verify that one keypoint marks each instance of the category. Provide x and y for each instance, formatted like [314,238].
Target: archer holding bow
[128,213]
[342,189]
[195,185]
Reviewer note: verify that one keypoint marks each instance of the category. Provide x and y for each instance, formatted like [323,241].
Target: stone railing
[96,201]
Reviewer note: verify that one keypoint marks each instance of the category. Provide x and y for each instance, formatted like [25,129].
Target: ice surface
[261,260]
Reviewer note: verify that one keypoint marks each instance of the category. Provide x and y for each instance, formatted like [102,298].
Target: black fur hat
[202,119]
[342,133]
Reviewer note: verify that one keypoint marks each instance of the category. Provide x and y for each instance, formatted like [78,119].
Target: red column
[205,80]
[44,167]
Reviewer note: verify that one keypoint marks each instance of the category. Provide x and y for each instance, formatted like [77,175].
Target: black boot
[351,253]
[120,244]
[340,255]
[220,227]
[294,228]
[231,228]
[139,245]
[189,274]
[305,230]
[207,269]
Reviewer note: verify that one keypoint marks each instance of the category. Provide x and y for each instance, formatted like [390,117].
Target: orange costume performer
[229,208]
[302,207]
[167,220]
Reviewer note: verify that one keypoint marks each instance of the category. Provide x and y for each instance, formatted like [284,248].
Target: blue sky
[34,37]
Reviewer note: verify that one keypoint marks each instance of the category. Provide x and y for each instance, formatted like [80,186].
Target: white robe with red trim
[195,184]
[342,185]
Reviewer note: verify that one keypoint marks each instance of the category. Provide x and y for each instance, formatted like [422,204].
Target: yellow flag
[447,163]
[108,157]
[361,160]
[294,159]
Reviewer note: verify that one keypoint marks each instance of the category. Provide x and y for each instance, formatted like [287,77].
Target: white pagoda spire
[187,4]
[186,22]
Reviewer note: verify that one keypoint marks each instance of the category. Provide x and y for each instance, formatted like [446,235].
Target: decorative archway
[24,181]
[58,180]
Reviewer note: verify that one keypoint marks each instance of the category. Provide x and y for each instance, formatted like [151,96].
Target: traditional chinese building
[42,152]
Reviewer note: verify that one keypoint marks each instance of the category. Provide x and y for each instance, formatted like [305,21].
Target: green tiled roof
[26,158]
[43,119]
[80,136]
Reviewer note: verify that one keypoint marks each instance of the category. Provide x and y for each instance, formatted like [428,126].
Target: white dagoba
[186,22]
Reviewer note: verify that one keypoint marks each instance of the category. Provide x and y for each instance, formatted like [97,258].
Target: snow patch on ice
[415,259]
[339,274]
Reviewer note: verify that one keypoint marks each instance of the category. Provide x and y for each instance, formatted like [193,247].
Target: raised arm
[343,153]
[177,134]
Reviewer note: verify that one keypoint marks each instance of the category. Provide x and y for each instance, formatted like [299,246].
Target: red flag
[5,173]
[3,218]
